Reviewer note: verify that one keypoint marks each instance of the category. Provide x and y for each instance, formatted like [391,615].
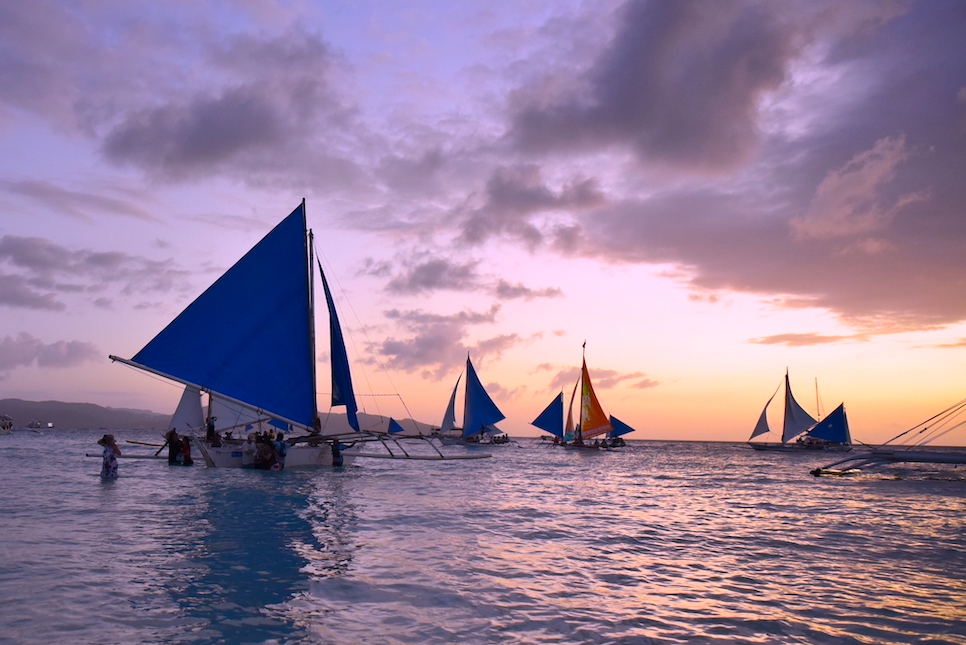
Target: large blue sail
[834,427]
[479,410]
[342,392]
[551,419]
[248,335]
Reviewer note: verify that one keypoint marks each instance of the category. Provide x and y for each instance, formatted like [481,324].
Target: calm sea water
[658,543]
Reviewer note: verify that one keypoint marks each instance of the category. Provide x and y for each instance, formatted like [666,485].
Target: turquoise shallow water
[659,543]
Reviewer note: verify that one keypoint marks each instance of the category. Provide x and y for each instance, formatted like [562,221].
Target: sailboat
[248,342]
[832,433]
[593,422]
[480,414]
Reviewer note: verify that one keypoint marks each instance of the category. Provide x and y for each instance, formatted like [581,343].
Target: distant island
[81,416]
[78,416]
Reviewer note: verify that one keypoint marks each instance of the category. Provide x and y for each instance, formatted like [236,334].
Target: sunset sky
[706,192]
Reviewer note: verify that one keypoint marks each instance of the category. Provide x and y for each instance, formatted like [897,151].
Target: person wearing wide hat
[111,453]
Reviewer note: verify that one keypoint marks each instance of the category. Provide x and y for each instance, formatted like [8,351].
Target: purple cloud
[435,344]
[680,84]
[24,350]
[43,269]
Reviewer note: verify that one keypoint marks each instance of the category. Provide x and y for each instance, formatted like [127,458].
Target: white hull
[298,456]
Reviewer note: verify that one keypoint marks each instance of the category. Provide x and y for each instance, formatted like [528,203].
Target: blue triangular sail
[394,427]
[248,335]
[342,392]
[619,426]
[834,427]
[479,410]
[551,419]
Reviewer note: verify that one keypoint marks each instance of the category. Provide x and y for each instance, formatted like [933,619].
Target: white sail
[231,416]
[449,417]
[188,414]
[762,426]
[797,420]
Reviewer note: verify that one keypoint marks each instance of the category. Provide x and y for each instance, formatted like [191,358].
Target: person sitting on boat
[248,451]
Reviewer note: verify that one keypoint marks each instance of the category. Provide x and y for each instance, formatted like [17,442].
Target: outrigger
[925,432]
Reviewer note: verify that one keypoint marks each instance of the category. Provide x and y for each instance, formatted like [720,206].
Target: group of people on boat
[264,450]
[607,442]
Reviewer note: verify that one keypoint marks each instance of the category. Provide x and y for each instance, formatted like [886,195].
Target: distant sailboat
[248,341]
[593,422]
[832,433]
[480,414]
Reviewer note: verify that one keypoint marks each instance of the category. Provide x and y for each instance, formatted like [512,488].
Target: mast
[818,403]
[311,303]
[579,432]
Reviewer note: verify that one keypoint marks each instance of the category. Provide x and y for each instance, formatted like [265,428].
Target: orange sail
[593,421]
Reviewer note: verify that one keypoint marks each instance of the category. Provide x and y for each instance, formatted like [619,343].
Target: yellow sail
[593,421]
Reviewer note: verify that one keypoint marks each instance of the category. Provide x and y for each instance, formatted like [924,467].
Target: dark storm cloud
[680,84]
[41,269]
[436,345]
[24,350]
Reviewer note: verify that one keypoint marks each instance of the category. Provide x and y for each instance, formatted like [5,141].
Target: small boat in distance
[480,415]
[593,422]
[6,423]
[832,433]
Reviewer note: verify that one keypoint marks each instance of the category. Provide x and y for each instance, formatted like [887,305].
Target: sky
[706,192]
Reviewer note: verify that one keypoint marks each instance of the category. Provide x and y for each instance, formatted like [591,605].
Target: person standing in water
[111,453]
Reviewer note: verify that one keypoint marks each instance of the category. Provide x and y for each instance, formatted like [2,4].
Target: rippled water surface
[658,543]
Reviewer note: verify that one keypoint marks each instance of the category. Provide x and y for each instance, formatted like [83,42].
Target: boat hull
[297,456]
[794,447]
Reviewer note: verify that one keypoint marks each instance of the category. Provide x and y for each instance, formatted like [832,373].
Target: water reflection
[243,545]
